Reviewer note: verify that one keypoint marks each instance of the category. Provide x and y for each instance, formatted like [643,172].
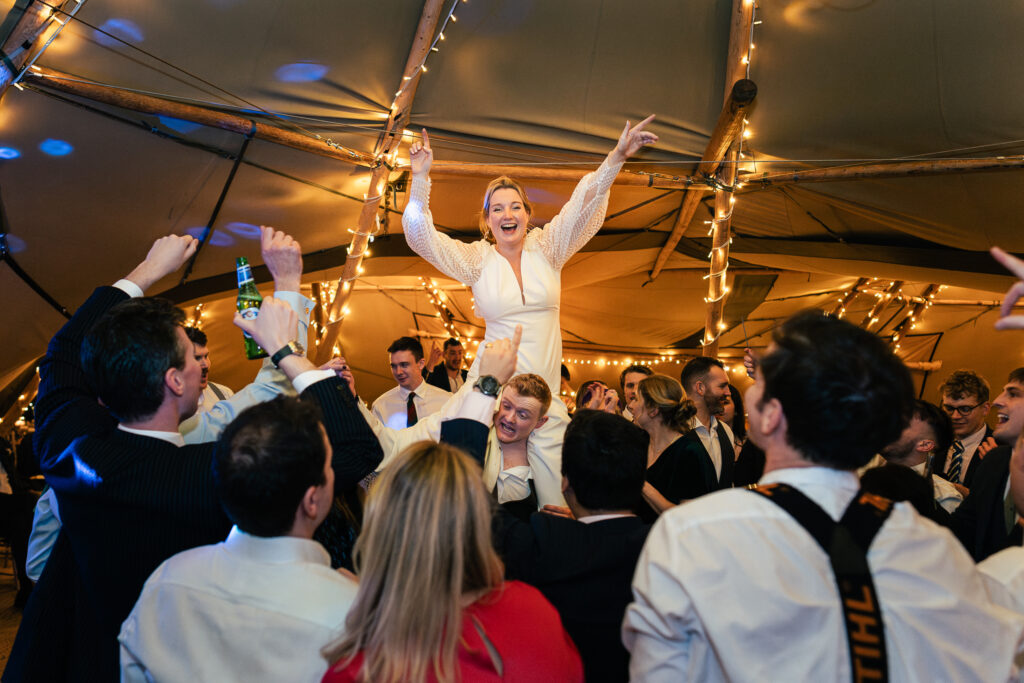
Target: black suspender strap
[846,543]
[216,391]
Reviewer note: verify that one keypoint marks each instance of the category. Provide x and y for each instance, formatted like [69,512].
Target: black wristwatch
[285,351]
[488,385]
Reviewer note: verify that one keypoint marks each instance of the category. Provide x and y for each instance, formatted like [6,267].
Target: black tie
[410,410]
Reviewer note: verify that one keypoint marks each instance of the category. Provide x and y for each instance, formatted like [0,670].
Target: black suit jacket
[728,455]
[438,377]
[584,570]
[980,522]
[939,463]
[127,503]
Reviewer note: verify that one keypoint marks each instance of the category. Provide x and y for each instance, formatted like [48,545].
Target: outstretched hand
[339,366]
[1015,266]
[167,255]
[421,157]
[632,139]
[498,358]
[283,257]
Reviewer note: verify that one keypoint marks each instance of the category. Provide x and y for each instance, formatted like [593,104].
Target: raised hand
[1015,266]
[749,362]
[499,357]
[435,356]
[274,327]
[339,366]
[610,402]
[421,157]
[283,257]
[632,139]
[167,255]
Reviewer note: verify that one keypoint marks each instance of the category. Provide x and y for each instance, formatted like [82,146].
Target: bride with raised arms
[515,274]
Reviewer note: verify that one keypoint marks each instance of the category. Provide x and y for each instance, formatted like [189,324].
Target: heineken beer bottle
[248,303]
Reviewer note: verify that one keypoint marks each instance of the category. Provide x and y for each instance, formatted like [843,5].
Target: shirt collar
[174,438]
[814,476]
[276,549]
[404,393]
[711,426]
[973,440]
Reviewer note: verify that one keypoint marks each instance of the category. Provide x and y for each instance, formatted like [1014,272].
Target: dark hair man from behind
[845,395]
[129,350]
[265,462]
[410,344]
[196,336]
[584,565]
[604,459]
[828,395]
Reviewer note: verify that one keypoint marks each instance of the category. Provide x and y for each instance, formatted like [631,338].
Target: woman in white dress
[515,274]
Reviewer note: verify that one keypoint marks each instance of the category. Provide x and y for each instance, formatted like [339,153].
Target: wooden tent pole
[148,104]
[726,130]
[840,310]
[721,236]
[884,300]
[730,121]
[386,151]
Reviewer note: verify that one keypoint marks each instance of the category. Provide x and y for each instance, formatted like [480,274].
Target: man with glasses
[965,398]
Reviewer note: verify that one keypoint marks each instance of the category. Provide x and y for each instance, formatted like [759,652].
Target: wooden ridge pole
[387,150]
[148,104]
[533,173]
[30,19]
[900,169]
[730,121]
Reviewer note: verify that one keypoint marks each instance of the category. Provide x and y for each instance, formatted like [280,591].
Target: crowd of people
[467,525]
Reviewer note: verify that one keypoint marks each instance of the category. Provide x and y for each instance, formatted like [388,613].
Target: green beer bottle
[248,303]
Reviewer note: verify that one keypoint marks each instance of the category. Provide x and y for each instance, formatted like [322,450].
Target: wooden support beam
[726,131]
[387,149]
[840,310]
[900,169]
[924,365]
[656,181]
[31,22]
[739,94]
[916,310]
[147,104]
[883,300]
[721,236]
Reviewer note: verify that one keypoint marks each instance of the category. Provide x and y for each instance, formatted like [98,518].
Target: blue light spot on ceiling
[56,148]
[15,244]
[9,153]
[301,72]
[180,125]
[217,239]
[124,29]
[247,230]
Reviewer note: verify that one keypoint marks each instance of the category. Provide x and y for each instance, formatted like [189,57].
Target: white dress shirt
[392,407]
[709,437]
[945,493]
[730,587]
[209,398]
[247,609]
[1005,574]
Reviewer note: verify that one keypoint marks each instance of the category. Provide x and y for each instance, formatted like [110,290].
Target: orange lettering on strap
[864,672]
[878,502]
[867,604]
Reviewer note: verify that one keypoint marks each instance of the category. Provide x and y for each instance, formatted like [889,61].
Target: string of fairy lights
[887,293]
[721,275]
[61,18]
[434,47]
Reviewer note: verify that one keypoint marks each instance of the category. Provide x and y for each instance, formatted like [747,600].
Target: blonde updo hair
[666,395]
[424,548]
[503,182]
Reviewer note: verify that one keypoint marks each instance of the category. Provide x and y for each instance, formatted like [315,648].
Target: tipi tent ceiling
[534,84]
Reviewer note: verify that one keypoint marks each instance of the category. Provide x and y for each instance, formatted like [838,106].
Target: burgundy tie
[410,410]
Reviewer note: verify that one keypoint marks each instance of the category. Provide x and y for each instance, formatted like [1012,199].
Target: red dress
[521,625]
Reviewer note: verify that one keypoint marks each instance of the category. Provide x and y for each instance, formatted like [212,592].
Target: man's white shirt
[392,407]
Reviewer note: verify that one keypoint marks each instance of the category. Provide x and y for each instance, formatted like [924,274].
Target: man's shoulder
[430,391]
[393,391]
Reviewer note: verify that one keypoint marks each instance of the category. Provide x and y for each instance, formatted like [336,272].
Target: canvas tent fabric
[540,85]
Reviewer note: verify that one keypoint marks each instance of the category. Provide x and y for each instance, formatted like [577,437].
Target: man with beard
[928,433]
[707,385]
[628,380]
[448,374]
[986,522]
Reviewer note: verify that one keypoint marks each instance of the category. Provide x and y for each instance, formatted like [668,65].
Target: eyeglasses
[963,410]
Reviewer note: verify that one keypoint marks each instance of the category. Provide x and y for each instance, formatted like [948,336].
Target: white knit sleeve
[455,259]
[580,218]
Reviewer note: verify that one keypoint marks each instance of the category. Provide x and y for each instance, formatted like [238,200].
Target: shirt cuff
[478,407]
[310,377]
[298,302]
[129,288]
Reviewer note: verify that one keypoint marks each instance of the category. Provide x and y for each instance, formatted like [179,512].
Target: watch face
[489,385]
